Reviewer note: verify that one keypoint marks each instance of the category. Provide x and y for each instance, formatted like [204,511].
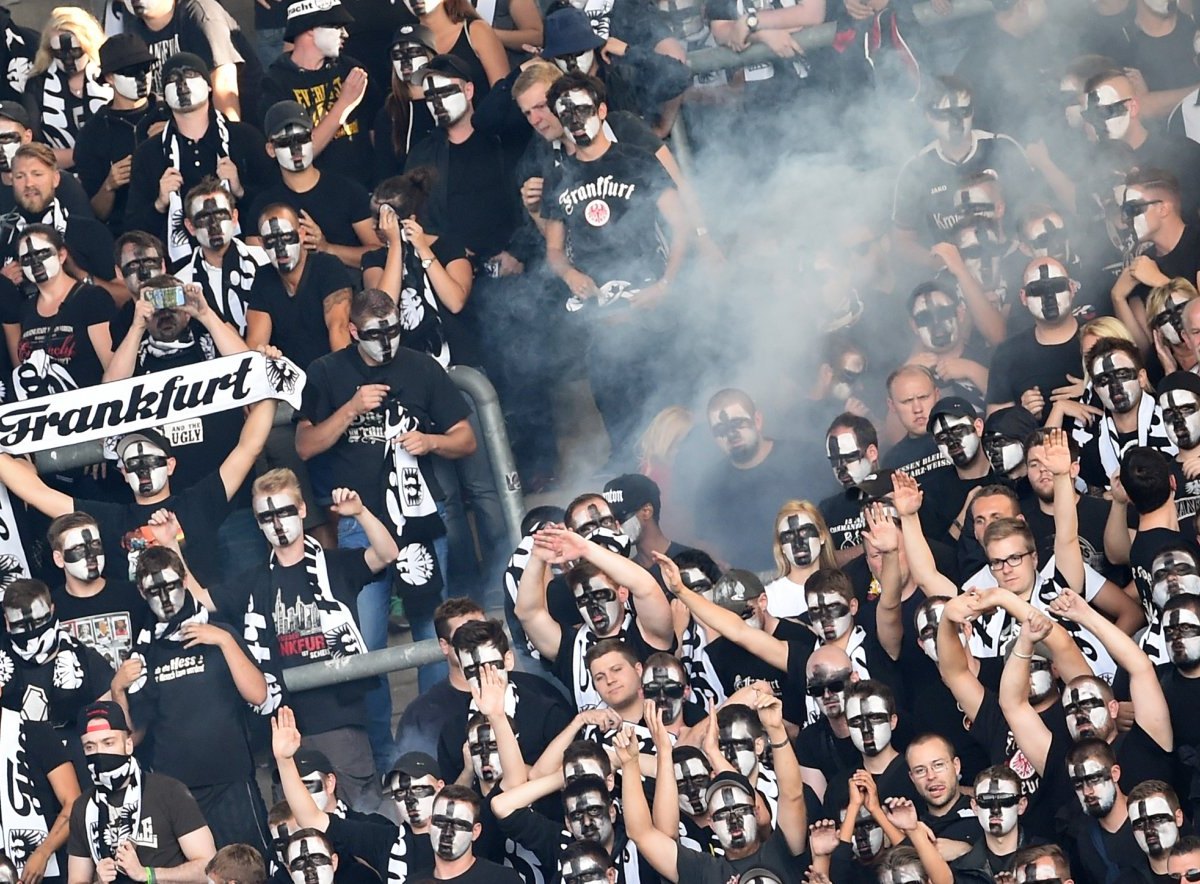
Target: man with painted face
[1028,367]
[871,716]
[333,207]
[1156,819]
[303,308]
[997,805]
[742,741]
[199,141]
[1102,834]
[121,801]
[944,342]
[1004,435]
[1041,862]
[852,446]
[333,86]
[16,129]
[636,503]
[957,430]
[453,831]
[105,145]
[104,612]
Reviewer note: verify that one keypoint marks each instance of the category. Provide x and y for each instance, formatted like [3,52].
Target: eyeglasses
[819,688]
[1011,561]
[1189,875]
[939,766]
[1134,208]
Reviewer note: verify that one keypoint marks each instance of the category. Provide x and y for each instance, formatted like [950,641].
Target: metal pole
[342,670]
[495,438]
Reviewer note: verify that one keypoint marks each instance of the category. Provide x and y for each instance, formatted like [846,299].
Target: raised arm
[382,549]
[907,497]
[666,790]
[1068,659]
[530,605]
[285,741]
[884,536]
[509,802]
[1117,535]
[658,849]
[489,697]
[21,478]
[1031,734]
[793,817]
[1068,557]
[903,814]
[240,461]
[952,657]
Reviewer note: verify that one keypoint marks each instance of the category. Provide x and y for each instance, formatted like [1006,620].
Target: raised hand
[882,531]
[823,837]
[1037,626]
[285,737]
[489,695]
[901,813]
[1070,606]
[906,493]
[1057,455]
[628,750]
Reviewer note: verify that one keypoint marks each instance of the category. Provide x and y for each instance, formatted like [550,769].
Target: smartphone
[168,297]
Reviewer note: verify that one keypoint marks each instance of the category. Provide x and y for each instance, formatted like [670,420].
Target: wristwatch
[426,263]
[752,19]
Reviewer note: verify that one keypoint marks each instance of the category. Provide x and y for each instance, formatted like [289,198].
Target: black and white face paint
[328,40]
[446,100]
[146,468]
[278,517]
[936,317]
[413,797]
[866,842]
[870,724]
[1173,571]
[996,806]
[315,784]
[849,462]
[692,777]
[485,754]
[829,614]
[1041,680]
[1047,237]
[582,767]
[407,59]
[697,581]
[952,117]
[66,50]
[30,621]
[847,376]
[133,83]
[1134,205]
[186,90]
[1169,320]
[212,216]
[976,201]
[1086,711]
[280,836]
[10,143]
[139,265]
[281,240]
[589,817]
[1181,630]
[799,538]
[39,259]
[599,605]
[1153,824]
[909,873]
[1115,379]
[579,116]
[1161,8]
[665,687]
[829,688]
[309,861]
[1181,418]
[1048,292]
[1040,872]
[733,822]
[980,247]
[736,742]
[422,7]
[580,61]
[1107,112]
[164,593]
[452,828]
[379,339]
[929,615]
[1094,786]
[583,870]
[293,148]
[473,661]
[956,438]
[1004,453]
[83,553]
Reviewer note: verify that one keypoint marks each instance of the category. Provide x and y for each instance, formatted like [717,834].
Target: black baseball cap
[953,406]
[727,778]
[629,493]
[1014,422]
[417,764]
[187,60]
[154,437]
[122,51]
[1179,380]
[283,114]
[309,761]
[447,66]
[418,34]
[12,110]
[103,715]
[737,588]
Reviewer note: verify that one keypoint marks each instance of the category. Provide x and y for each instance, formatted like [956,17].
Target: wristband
[151,878]
[1017,653]
[780,744]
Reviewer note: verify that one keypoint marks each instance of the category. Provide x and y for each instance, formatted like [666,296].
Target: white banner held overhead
[150,400]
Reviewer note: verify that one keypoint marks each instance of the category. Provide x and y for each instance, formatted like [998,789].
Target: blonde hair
[1103,327]
[1157,300]
[660,440]
[795,508]
[79,22]
[274,481]
[541,73]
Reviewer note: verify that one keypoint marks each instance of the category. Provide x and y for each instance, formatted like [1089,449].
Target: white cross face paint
[281,240]
[736,743]
[308,862]
[692,777]
[1086,711]
[697,581]
[800,539]
[1041,680]
[379,338]
[39,259]
[866,842]
[996,806]
[413,797]
[329,40]
[1094,786]
[1048,292]
[212,216]
[956,438]
[132,83]
[583,870]
[293,148]
[146,467]
[1115,379]
[278,517]
[870,724]
[1042,871]
[1181,630]
[952,117]
[65,48]
[1169,320]
[935,315]
[473,661]
[1107,112]
[1153,824]
[579,116]
[1173,571]
[599,605]
[588,817]
[83,553]
[849,462]
[451,828]
[929,615]
[485,754]
[1181,418]
[732,811]
[164,593]
[829,614]
[663,685]
[1004,453]
[446,99]
[582,767]
[186,90]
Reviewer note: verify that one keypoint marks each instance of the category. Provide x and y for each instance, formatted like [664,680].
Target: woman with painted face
[1166,317]
[458,30]
[405,118]
[60,339]
[66,85]
[801,547]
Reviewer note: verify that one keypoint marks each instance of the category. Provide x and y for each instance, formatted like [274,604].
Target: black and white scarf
[411,510]
[420,313]
[108,825]
[58,129]
[21,815]
[1150,433]
[178,242]
[707,690]
[238,270]
[14,221]
[19,55]
[397,869]
[150,348]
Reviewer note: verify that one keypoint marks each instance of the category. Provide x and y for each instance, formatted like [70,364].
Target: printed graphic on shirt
[162,50]
[319,99]
[107,634]
[179,667]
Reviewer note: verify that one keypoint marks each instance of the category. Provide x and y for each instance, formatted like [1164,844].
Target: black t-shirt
[703,868]
[62,341]
[360,459]
[89,243]
[843,516]
[416,124]
[1166,62]
[1092,514]
[1022,363]
[484,871]
[1184,259]
[609,207]
[1104,855]
[373,842]
[893,782]
[1187,493]
[108,621]
[200,510]
[54,692]
[819,747]
[959,823]
[918,456]
[168,812]
[1146,545]
[298,320]
[109,136]
[737,668]
[1183,695]
[1181,156]
[336,202]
